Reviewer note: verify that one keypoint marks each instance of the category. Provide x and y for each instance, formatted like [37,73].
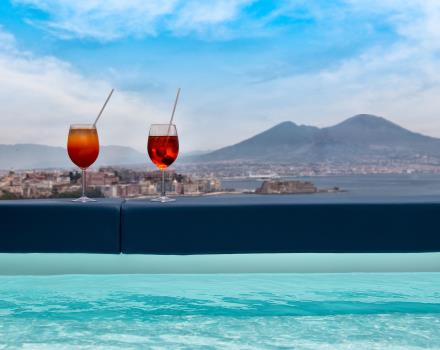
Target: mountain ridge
[361,138]
[358,139]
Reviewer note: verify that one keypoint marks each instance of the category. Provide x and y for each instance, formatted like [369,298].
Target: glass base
[84,199]
[163,199]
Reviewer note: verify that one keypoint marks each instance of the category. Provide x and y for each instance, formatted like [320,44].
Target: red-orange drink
[163,150]
[83,145]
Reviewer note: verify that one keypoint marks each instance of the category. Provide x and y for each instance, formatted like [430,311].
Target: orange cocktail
[83,150]
[83,145]
[163,148]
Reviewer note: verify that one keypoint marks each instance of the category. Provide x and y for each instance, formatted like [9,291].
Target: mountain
[32,156]
[286,136]
[362,138]
[120,155]
[359,139]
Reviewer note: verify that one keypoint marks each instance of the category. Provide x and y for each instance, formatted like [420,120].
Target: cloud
[41,96]
[7,41]
[398,79]
[198,16]
[417,20]
[107,20]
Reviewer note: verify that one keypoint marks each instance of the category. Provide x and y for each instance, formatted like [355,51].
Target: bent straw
[102,109]
[174,110]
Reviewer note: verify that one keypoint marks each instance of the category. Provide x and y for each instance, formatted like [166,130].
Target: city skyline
[243,66]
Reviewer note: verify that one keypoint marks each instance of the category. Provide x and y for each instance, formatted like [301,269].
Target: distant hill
[362,138]
[32,156]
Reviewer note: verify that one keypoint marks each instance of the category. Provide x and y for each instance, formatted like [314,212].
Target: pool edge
[79,263]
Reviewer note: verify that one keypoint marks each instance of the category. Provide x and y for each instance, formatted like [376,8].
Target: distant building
[191,186]
[286,187]
[111,182]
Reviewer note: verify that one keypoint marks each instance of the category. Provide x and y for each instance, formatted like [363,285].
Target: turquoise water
[248,311]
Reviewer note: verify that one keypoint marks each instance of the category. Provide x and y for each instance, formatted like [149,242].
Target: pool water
[242,311]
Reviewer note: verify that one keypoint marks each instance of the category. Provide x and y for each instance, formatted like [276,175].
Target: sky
[243,66]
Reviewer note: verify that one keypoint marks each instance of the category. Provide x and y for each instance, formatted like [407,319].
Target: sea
[415,186]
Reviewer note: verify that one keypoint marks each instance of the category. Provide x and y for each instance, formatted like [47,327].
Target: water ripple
[291,311]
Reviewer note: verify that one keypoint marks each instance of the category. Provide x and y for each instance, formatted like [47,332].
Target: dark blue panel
[60,226]
[219,225]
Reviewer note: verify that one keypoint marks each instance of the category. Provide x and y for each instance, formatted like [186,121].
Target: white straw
[102,109]
[174,110]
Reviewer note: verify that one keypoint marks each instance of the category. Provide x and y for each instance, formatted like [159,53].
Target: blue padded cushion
[61,226]
[191,226]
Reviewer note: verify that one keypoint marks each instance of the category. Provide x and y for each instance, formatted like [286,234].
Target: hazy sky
[243,66]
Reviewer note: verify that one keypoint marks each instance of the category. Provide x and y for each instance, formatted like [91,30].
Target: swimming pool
[234,311]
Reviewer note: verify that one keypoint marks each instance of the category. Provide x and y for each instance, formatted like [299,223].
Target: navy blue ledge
[279,224]
[222,225]
[60,226]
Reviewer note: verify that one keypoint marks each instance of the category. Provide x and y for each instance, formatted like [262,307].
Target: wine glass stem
[163,183]
[83,182]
